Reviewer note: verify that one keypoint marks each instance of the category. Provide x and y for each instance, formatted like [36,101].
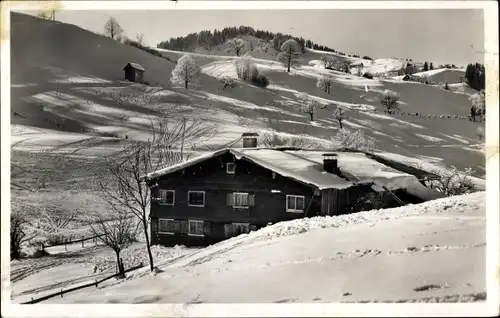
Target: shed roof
[136,66]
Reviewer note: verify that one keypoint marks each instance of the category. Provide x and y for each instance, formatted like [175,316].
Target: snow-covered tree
[478,104]
[325,83]
[340,114]
[290,52]
[236,46]
[112,28]
[186,71]
[390,100]
[327,62]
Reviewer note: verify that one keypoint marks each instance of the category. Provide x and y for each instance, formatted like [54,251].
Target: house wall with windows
[223,197]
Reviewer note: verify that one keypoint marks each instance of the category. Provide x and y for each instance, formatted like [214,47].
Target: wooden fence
[96,283]
[82,240]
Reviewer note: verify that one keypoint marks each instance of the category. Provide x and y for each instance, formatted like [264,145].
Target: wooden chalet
[232,191]
[134,72]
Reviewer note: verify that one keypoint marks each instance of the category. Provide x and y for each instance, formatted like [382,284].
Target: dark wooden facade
[134,72]
[268,204]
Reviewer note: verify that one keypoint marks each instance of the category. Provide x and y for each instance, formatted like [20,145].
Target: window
[295,203]
[240,200]
[167,197]
[196,198]
[230,168]
[195,228]
[240,228]
[166,226]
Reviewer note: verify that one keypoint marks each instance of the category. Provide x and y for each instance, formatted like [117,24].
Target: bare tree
[186,71]
[347,66]
[227,82]
[127,190]
[327,62]
[480,133]
[340,114]
[290,52]
[390,100]
[112,28]
[117,231]
[325,83]
[236,45]
[18,232]
[310,106]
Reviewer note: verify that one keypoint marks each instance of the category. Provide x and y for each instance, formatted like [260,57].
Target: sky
[454,36]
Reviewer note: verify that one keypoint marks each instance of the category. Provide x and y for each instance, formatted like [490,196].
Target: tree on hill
[410,69]
[475,76]
[390,100]
[310,106]
[478,105]
[426,67]
[290,53]
[431,66]
[186,71]
[140,39]
[236,46]
[325,83]
[340,114]
[112,28]
[446,87]
[327,62]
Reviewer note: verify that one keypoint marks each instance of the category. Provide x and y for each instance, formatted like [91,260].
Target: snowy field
[380,255]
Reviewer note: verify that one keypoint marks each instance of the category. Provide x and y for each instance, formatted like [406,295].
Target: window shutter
[206,227]
[184,227]
[229,199]
[251,200]
[177,226]
[154,225]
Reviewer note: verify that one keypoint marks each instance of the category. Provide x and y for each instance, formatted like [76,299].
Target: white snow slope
[429,252]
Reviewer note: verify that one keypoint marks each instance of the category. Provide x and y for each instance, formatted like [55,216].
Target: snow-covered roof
[282,162]
[306,166]
[357,166]
[136,66]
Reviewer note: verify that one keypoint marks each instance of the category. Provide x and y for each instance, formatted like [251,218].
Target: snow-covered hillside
[380,255]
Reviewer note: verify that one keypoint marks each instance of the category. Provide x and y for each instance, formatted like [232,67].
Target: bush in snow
[186,71]
[454,182]
[227,82]
[354,140]
[328,62]
[325,83]
[248,71]
[390,100]
[271,139]
[19,233]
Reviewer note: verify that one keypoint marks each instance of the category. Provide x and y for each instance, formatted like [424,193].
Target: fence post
[66,245]
[61,293]
[83,241]
[96,283]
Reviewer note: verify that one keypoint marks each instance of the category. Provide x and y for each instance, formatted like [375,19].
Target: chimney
[250,140]
[330,163]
